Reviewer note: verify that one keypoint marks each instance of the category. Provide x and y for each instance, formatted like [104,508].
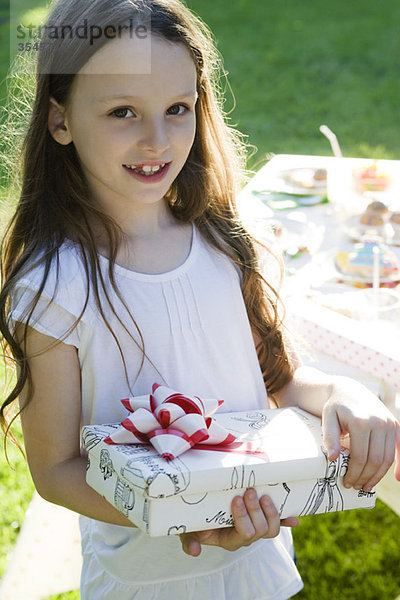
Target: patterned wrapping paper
[278,451]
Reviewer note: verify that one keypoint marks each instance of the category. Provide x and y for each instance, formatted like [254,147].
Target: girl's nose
[154,138]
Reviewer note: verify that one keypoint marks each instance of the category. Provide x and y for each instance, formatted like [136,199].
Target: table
[372,348]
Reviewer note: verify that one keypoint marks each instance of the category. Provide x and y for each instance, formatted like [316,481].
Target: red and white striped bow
[171,422]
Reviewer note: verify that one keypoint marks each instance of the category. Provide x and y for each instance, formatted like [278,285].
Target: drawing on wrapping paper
[176,530]
[285,491]
[240,480]
[326,496]
[106,465]
[145,515]
[90,439]
[165,480]
[221,518]
[134,449]
[124,497]
[192,499]
[256,420]
[362,494]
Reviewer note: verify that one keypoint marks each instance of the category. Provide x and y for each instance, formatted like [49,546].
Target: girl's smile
[149,172]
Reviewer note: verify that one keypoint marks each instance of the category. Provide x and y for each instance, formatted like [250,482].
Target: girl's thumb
[331,432]
[190,544]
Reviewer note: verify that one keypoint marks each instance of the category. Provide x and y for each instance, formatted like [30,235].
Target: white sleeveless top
[197,340]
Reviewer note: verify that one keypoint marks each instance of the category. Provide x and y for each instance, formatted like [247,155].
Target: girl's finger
[271,516]
[376,452]
[289,522]
[190,544]
[331,432]
[244,527]
[385,462]
[256,512]
[359,444]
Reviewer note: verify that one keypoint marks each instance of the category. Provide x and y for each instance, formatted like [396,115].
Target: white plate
[299,240]
[359,303]
[285,201]
[300,180]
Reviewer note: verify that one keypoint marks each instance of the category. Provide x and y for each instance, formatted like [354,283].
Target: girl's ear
[57,124]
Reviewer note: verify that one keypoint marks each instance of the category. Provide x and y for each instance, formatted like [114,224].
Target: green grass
[352,555]
[16,489]
[4,44]
[293,66]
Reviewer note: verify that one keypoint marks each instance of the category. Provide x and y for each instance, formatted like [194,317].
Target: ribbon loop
[172,422]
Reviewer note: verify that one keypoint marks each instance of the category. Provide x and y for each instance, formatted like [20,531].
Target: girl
[126,263]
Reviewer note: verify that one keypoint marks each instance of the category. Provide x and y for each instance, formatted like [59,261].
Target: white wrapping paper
[277,451]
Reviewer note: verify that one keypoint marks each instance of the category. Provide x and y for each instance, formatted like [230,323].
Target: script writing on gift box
[276,451]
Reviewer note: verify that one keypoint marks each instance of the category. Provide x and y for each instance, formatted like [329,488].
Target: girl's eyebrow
[106,99]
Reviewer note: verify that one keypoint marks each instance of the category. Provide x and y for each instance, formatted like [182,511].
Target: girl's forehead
[103,90]
[129,55]
[169,71]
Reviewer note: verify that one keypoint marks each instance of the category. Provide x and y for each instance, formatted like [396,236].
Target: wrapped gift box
[278,451]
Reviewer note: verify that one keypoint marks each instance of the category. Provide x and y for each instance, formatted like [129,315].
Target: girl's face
[127,126]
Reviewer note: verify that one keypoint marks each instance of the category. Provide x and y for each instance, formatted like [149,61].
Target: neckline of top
[156,277]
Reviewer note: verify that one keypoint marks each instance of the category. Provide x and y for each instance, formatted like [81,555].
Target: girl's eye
[122,113]
[177,109]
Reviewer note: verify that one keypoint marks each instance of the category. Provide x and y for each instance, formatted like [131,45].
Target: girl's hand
[373,434]
[254,519]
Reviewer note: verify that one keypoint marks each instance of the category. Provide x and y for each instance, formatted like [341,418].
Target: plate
[363,279]
[358,303]
[298,238]
[302,180]
[297,181]
[393,278]
[286,201]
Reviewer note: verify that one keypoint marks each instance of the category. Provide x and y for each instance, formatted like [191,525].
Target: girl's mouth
[148,173]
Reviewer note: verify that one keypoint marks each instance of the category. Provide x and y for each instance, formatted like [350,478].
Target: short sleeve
[59,306]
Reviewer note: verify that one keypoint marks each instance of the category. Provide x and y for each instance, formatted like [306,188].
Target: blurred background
[294,65]
[291,67]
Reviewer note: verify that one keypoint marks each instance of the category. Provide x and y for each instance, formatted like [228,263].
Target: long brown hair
[55,203]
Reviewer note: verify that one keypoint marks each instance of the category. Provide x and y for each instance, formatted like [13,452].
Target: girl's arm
[51,428]
[348,407]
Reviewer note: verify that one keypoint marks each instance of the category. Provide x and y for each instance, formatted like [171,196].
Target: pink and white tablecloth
[369,347]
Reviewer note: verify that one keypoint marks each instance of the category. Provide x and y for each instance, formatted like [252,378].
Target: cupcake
[372,219]
[378,208]
[375,221]
[395,218]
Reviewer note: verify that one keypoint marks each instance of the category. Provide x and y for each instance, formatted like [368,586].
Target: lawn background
[293,66]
